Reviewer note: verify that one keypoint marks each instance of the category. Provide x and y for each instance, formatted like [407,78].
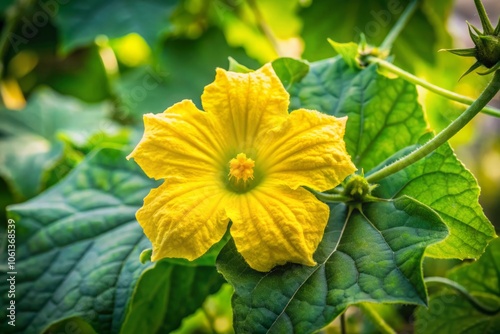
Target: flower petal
[181,141]
[308,150]
[274,224]
[183,219]
[247,104]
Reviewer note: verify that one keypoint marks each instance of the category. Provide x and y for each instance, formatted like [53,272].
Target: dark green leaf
[166,294]
[373,256]
[451,313]
[384,117]
[29,139]
[290,70]
[78,246]
[80,22]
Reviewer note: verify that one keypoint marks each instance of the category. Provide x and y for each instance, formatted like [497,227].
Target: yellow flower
[244,159]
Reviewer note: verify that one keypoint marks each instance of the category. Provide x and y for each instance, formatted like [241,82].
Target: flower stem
[399,26]
[478,305]
[377,320]
[433,88]
[444,135]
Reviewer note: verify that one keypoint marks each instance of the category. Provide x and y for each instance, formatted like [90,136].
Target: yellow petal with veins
[273,225]
[181,141]
[183,219]
[246,104]
[308,150]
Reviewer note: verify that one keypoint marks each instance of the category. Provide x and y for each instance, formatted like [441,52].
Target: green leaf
[442,182]
[166,294]
[369,256]
[290,70]
[384,117]
[383,114]
[30,139]
[78,246]
[234,66]
[80,22]
[348,51]
[450,312]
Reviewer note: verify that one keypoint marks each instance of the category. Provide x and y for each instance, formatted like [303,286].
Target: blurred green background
[78,75]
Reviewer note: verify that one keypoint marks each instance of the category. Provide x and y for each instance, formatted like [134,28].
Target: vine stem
[330,198]
[433,88]
[264,27]
[442,136]
[462,290]
[399,26]
[375,317]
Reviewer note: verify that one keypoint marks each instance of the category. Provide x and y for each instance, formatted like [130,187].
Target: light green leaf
[30,139]
[451,313]
[234,66]
[442,182]
[78,246]
[348,52]
[290,70]
[166,294]
[369,256]
[80,22]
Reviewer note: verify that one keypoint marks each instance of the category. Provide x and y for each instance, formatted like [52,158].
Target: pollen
[241,168]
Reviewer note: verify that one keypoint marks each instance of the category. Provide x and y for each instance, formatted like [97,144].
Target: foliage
[76,79]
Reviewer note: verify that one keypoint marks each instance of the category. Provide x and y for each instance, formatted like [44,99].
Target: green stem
[377,320]
[331,198]
[485,20]
[399,26]
[462,290]
[264,27]
[433,88]
[444,135]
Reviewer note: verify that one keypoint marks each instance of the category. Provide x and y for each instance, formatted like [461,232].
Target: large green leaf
[168,293]
[384,118]
[30,139]
[441,181]
[78,246]
[369,256]
[451,313]
[80,22]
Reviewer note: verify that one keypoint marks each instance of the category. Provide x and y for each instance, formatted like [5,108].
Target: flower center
[241,168]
